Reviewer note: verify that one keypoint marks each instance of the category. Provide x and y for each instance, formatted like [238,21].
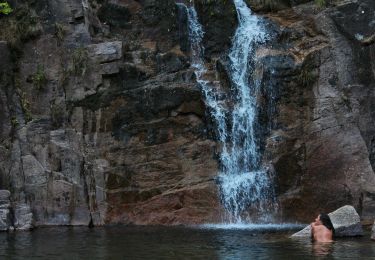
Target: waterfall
[246,187]
[213,98]
[243,181]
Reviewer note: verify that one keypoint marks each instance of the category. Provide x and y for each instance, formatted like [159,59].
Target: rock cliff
[322,142]
[102,120]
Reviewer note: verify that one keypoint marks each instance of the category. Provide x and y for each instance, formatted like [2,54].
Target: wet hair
[326,221]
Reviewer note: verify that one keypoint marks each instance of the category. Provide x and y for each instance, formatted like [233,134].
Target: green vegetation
[60,32]
[39,79]
[5,8]
[25,104]
[80,60]
[19,27]
[77,66]
[321,3]
[26,108]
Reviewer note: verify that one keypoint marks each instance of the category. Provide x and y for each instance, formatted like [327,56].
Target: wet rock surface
[323,107]
[218,34]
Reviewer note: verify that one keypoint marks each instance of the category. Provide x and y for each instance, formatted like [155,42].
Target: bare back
[320,233]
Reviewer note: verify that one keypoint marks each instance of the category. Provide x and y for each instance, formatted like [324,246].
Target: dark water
[173,243]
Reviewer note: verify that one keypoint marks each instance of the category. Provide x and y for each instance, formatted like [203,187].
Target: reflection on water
[174,243]
[322,249]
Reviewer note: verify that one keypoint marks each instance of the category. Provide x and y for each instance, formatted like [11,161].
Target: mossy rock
[21,25]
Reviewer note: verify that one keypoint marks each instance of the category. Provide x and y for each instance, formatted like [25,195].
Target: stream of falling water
[246,188]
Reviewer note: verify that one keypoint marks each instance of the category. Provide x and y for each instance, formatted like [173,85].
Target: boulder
[373,231]
[345,220]
[306,232]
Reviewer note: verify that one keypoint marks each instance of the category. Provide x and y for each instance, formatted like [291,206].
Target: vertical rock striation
[321,143]
[101,119]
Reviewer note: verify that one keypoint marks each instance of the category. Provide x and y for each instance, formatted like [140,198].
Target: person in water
[322,229]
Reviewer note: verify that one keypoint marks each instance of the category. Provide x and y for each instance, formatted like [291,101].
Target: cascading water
[244,184]
[213,98]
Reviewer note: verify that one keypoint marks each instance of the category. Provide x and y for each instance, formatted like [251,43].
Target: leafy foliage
[80,59]
[321,3]
[21,26]
[5,8]
[60,32]
[25,104]
[39,78]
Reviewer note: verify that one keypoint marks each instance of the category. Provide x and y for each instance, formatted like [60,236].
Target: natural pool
[212,242]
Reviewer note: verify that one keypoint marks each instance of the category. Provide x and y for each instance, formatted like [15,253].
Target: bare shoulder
[318,227]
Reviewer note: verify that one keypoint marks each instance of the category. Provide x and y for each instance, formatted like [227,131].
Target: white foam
[255,227]
[243,181]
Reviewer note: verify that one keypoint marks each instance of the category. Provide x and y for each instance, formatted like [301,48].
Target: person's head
[323,219]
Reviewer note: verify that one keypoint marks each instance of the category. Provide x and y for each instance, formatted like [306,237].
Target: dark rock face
[218,34]
[323,109]
[273,5]
[102,121]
